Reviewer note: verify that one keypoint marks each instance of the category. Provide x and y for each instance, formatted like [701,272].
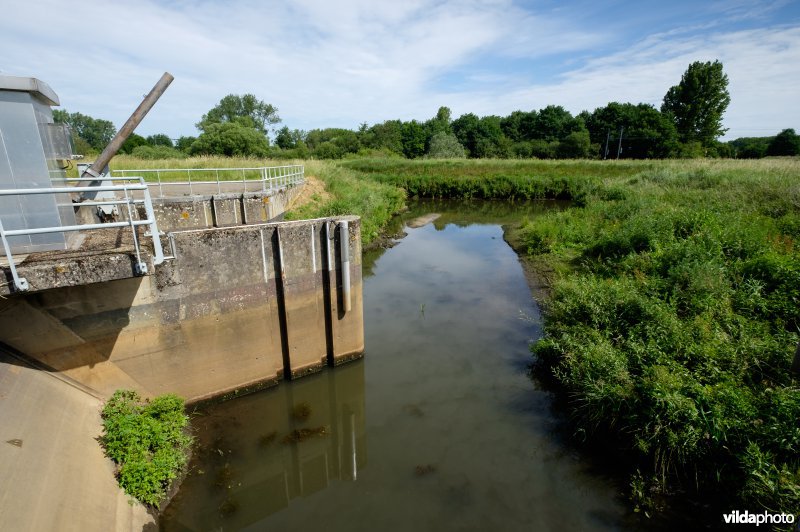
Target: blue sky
[341,63]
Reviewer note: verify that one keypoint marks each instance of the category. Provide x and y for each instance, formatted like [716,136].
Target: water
[437,428]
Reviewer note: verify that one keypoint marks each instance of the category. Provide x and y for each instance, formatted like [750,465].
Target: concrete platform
[53,474]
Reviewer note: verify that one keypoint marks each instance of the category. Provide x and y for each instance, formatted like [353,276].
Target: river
[437,428]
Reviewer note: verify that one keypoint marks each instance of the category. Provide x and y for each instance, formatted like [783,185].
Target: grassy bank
[672,325]
[493,178]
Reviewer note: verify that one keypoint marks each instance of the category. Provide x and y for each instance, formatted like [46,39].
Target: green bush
[157,152]
[147,441]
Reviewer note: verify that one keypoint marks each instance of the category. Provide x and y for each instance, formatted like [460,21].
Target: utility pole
[796,363]
[619,147]
[605,153]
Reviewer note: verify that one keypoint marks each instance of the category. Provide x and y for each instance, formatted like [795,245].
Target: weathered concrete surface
[220,210]
[105,255]
[54,474]
[237,307]
[109,254]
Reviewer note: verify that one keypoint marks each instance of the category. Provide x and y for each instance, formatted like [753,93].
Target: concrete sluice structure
[202,296]
[236,307]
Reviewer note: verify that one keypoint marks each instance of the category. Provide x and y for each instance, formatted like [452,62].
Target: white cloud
[340,63]
[763,68]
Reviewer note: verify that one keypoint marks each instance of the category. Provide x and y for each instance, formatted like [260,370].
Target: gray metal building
[33,151]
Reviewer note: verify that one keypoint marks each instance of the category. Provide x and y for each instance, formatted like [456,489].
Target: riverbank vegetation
[147,441]
[673,314]
[673,320]
[673,329]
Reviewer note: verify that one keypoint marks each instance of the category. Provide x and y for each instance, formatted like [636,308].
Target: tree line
[688,124]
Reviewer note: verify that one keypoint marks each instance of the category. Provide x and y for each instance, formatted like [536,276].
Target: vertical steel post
[344,242]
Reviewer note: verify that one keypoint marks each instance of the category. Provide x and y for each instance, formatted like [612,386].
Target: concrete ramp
[53,474]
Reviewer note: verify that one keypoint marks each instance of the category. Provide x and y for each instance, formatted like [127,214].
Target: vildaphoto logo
[737,517]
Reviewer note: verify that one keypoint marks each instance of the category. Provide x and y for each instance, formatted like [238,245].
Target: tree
[440,123]
[132,142]
[184,143]
[96,132]
[232,139]
[750,147]
[555,123]
[414,137]
[576,145]
[647,133]
[160,139]
[697,103]
[234,106]
[785,143]
[388,136]
[445,146]
[520,126]
[284,139]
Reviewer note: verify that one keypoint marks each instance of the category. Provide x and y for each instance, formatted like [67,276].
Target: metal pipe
[344,242]
[125,131]
[66,228]
[67,190]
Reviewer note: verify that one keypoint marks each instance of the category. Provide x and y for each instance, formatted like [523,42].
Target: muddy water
[437,428]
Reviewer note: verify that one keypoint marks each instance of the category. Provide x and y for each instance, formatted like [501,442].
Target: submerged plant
[301,435]
[267,439]
[301,412]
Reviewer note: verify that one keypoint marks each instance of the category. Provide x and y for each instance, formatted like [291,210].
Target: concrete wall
[238,306]
[221,210]
[208,210]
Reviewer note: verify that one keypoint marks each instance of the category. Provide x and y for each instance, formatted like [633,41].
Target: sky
[340,63]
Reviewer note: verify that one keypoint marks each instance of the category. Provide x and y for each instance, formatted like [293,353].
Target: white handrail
[276,177]
[21,284]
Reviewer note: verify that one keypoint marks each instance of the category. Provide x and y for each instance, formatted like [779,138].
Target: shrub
[147,441]
[157,152]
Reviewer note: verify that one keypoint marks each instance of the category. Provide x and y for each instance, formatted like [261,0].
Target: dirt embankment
[538,273]
[313,192]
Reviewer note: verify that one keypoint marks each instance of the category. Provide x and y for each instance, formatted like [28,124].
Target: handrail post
[158,252]
[20,283]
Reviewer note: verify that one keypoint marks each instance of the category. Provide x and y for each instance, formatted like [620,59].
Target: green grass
[147,441]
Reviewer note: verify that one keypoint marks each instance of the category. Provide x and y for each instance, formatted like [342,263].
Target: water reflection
[459,437]
[460,213]
[257,453]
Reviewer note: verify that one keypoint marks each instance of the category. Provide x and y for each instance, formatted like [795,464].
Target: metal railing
[213,180]
[129,186]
